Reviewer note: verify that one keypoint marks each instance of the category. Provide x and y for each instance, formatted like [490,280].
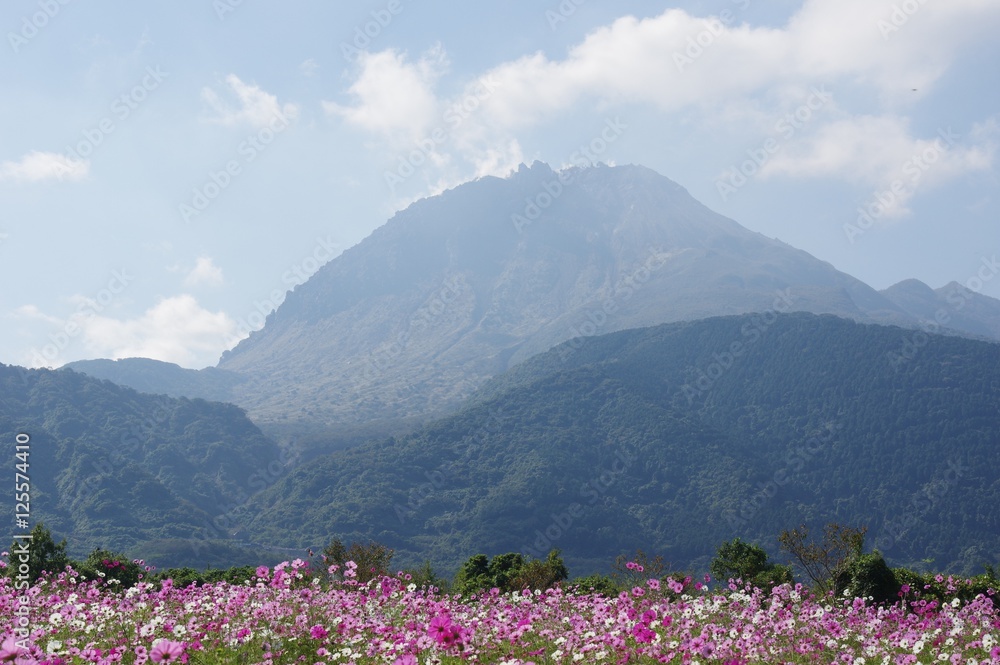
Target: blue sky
[169,170]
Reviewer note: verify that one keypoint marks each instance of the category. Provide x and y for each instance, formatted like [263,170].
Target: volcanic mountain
[458,287]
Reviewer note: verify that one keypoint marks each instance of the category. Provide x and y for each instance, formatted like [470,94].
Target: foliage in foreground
[287,615]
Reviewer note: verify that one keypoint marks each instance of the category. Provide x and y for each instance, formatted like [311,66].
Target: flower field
[285,615]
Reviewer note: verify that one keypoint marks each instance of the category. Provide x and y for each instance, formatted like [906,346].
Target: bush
[509,572]
[538,574]
[112,568]
[601,584]
[748,562]
[43,555]
[185,577]
[373,559]
[425,577]
[915,586]
[867,576]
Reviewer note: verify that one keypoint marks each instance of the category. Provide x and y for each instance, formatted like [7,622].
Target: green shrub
[43,555]
[112,568]
[867,576]
[425,577]
[373,559]
[601,584]
[915,586]
[509,572]
[737,559]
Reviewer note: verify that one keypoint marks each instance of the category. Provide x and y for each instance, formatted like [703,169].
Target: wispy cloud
[176,329]
[37,166]
[205,272]
[253,106]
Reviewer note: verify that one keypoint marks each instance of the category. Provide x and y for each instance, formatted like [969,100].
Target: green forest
[671,439]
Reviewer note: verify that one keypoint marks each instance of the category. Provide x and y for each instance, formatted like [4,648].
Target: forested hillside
[158,477]
[678,437]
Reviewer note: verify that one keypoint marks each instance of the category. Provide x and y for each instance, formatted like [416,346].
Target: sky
[168,171]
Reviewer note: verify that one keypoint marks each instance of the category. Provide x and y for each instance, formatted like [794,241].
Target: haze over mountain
[952,306]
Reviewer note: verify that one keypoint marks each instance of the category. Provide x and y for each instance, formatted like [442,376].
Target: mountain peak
[458,287]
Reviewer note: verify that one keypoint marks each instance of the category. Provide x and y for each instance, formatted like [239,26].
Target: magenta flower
[440,628]
[318,632]
[166,651]
[10,649]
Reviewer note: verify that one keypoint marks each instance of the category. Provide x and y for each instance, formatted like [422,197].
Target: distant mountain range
[459,287]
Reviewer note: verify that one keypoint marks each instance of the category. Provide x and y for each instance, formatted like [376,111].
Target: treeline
[835,564]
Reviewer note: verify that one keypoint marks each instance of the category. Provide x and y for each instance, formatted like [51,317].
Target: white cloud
[33,313]
[176,329]
[37,166]
[676,60]
[255,106]
[393,97]
[204,272]
[678,63]
[880,151]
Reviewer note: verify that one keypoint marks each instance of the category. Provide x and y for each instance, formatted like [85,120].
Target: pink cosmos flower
[10,649]
[318,632]
[439,628]
[166,651]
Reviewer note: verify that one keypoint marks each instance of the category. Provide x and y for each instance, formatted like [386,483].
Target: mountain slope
[673,439]
[953,306]
[160,378]
[149,475]
[459,287]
